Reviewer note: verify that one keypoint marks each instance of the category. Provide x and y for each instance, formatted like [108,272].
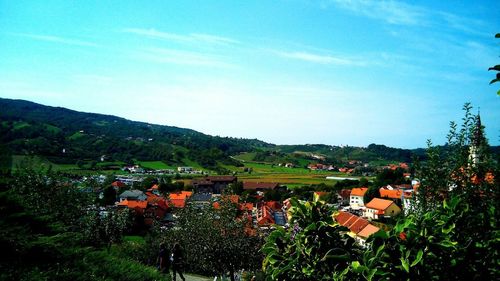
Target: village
[156,206]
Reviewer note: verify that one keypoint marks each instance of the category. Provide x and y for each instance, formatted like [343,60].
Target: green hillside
[64,136]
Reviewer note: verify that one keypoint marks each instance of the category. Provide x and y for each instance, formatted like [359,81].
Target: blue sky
[287,72]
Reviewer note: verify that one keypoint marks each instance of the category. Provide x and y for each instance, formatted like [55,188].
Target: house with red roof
[378,208]
[359,228]
[399,194]
[265,216]
[118,185]
[178,199]
[356,198]
[138,206]
[269,213]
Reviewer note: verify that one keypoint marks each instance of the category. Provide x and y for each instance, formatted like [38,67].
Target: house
[320,167]
[184,169]
[260,186]
[359,228]
[399,194]
[138,206]
[264,216]
[155,189]
[269,213]
[344,195]
[156,209]
[378,208]
[118,185]
[178,199]
[133,195]
[213,184]
[365,233]
[201,199]
[356,198]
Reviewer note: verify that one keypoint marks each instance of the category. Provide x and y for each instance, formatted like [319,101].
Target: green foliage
[451,234]
[215,241]
[496,68]
[104,227]
[36,246]
[313,249]
[29,128]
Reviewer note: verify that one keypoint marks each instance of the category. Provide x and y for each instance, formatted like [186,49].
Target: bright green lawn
[155,165]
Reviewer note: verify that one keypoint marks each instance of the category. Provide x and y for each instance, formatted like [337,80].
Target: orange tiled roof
[353,222]
[379,204]
[343,217]
[360,191]
[180,195]
[368,230]
[178,203]
[358,225]
[132,204]
[393,194]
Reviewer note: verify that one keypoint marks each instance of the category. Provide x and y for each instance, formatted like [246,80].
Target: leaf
[494,81]
[357,267]
[420,254]
[447,243]
[449,229]
[370,274]
[496,67]
[405,265]
[497,35]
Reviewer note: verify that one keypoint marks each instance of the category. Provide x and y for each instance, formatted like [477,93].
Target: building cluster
[362,219]
[208,191]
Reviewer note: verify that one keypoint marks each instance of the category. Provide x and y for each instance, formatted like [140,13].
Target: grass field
[260,172]
[292,177]
[155,165]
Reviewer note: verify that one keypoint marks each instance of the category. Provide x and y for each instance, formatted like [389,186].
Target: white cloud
[390,11]
[320,59]
[399,13]
[56,39]
[190,38]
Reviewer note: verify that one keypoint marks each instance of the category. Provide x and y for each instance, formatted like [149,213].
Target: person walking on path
[177,261]
[164,259]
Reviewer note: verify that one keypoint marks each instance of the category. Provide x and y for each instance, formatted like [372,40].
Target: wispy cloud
[162,55]
[390,11]
[189,38]
[399,13]
[56,39]
[317,58]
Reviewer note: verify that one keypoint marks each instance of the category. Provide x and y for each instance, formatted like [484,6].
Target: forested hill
[64,136]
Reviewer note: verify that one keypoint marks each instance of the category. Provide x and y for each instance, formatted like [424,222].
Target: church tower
[476,142]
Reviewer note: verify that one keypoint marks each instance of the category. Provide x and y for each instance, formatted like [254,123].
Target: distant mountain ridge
[66,136]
